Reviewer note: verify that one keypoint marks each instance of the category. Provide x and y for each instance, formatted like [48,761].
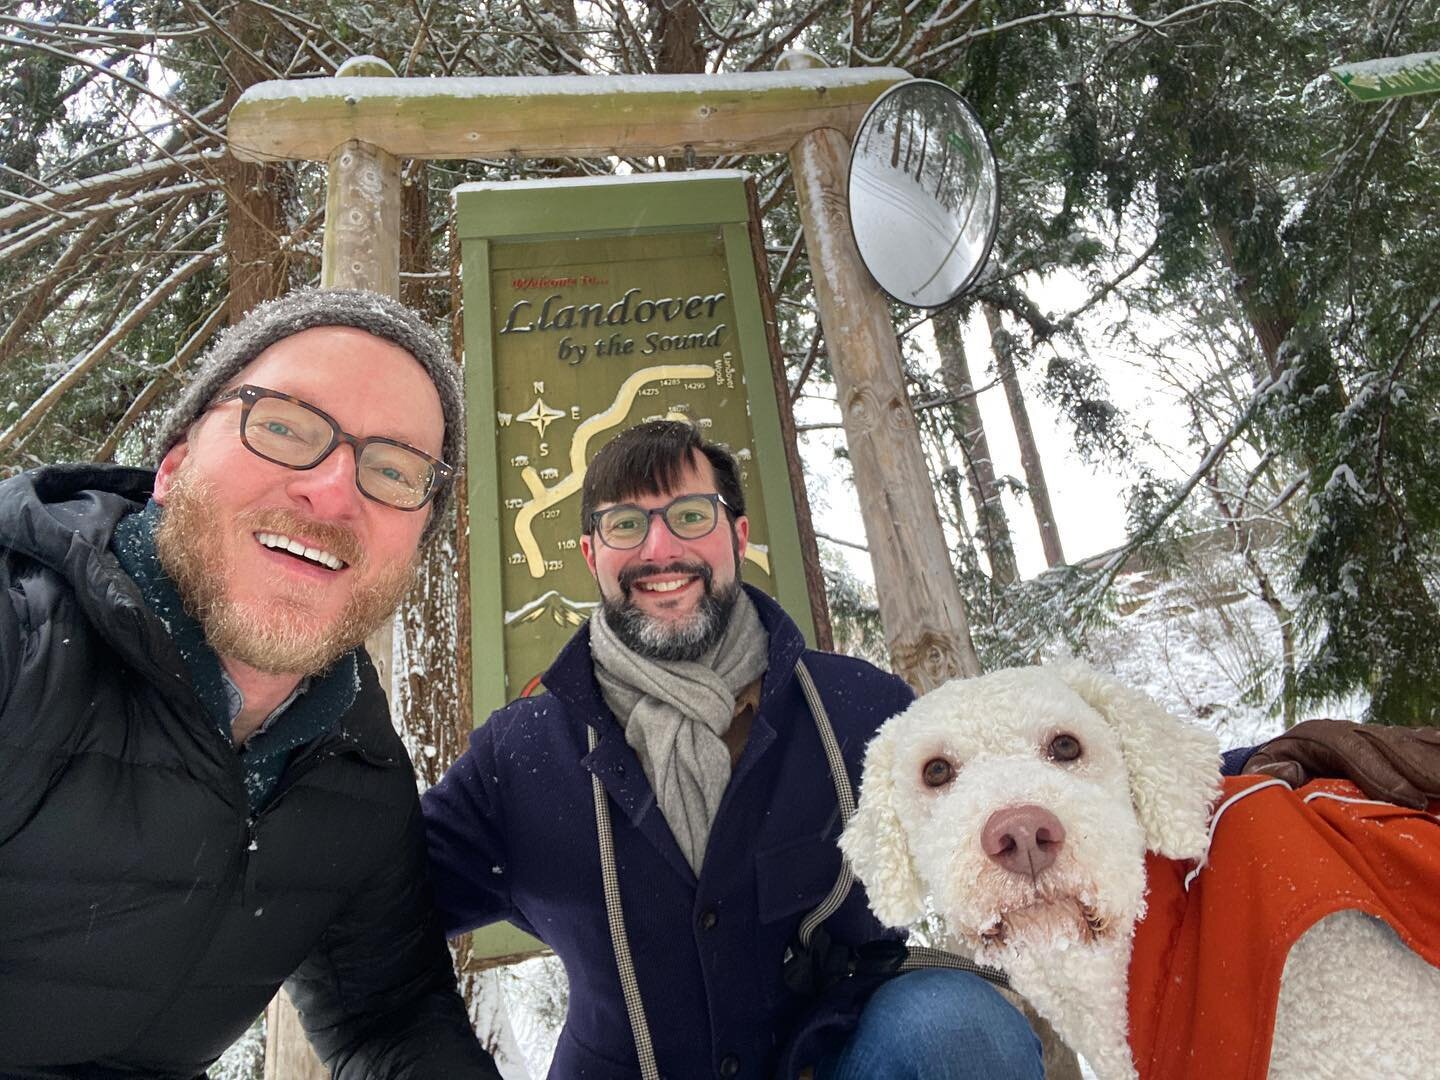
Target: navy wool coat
[511,833]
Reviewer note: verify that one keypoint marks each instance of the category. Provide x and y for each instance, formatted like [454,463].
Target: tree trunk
[991,523]
[1025,435]
[428,655]
[254,194]
[677,38]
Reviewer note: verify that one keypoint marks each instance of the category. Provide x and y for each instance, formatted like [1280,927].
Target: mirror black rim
[994,230]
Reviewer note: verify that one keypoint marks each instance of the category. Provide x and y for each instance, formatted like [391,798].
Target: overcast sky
[1088,500]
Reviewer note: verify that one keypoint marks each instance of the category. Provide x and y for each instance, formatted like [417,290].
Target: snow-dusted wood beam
[552,115]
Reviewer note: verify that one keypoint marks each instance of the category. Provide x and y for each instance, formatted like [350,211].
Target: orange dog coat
[1205,970]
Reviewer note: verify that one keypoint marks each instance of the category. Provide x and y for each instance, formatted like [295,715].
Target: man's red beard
[279,637]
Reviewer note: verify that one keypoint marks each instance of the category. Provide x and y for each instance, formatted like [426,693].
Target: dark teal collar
[312,714]
[134,548]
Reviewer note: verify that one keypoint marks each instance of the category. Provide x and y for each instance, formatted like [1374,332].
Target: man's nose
[328,490]
[660,543]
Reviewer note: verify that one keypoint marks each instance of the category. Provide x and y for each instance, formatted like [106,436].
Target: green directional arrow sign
[1391,76]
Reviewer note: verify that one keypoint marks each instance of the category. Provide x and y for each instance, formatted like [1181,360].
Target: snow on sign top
[1391,76]
[519,86]
[598,181]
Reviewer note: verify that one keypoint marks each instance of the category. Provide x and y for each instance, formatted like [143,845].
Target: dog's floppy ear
[1174,767]
[875,843]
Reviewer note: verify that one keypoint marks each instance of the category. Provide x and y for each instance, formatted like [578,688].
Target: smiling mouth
[663,586]
[315,556]
[656,579]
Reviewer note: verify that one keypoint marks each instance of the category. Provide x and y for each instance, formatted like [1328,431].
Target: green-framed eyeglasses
[688,517]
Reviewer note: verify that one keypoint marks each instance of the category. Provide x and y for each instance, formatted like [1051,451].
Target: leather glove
[1397,764]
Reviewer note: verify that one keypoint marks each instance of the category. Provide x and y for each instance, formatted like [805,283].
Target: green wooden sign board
[1390,76]
[592,305]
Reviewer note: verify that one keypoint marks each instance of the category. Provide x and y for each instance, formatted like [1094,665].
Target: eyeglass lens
[689,517]
[289,433]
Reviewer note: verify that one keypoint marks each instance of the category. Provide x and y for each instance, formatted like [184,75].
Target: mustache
[335,538]
[627,577]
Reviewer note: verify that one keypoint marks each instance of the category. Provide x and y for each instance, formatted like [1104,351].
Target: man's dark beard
[647,636]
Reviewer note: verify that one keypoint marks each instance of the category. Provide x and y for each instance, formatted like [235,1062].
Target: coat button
[708,919]
[730,1065]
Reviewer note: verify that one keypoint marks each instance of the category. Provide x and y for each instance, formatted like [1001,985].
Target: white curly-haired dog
[1022,803]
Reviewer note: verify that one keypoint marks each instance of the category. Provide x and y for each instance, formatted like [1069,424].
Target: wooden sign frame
[564,214]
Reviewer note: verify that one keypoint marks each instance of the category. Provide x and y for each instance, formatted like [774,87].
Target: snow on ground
[245,1060]
[533,996]
[1206,648]
[1197,661]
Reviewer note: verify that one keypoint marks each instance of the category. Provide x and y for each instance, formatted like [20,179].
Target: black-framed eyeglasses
[688,517]
[293,433]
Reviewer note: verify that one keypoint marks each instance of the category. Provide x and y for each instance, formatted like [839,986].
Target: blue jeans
[937,1024]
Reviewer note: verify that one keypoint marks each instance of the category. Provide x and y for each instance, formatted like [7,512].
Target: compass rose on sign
[540,416]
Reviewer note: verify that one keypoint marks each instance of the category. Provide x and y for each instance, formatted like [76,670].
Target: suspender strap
[844,797]
[916,956]
[619,940]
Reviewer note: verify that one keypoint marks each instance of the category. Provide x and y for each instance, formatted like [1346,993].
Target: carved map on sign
[591,336]
[542,497]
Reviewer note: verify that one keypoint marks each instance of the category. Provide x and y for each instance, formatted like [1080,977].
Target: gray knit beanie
[304,309]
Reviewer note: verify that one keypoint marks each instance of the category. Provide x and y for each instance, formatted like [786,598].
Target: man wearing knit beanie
[204,794]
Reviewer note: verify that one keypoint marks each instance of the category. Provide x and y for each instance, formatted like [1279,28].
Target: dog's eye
[937,772]
[1064,747]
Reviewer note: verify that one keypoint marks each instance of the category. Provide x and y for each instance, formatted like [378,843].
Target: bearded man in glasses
[201,793]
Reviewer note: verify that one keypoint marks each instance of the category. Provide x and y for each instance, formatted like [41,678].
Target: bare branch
[93,188]
[147,396]
[82,364]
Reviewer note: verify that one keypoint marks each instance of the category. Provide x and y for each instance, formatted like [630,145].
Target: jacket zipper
[247,864]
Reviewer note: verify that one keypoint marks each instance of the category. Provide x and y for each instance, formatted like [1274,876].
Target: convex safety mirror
[924,193]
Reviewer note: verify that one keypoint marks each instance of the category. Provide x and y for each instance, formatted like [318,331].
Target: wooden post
[362,220]
[362,251]
[287,1054]
[920,605]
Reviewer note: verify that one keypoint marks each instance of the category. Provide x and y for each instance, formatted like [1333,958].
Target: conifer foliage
[1191,162]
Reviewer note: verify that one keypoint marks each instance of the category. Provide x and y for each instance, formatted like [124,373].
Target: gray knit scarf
[675,713]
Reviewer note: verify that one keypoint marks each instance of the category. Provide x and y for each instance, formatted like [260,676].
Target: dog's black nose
[1023,839]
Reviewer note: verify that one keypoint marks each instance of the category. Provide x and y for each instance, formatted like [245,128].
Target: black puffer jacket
[145,917]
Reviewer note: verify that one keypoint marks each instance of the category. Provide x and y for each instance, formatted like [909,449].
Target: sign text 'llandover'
[556,315]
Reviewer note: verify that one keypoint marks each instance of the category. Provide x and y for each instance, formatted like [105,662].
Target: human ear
[742,538]
[587,548]
[169,467]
